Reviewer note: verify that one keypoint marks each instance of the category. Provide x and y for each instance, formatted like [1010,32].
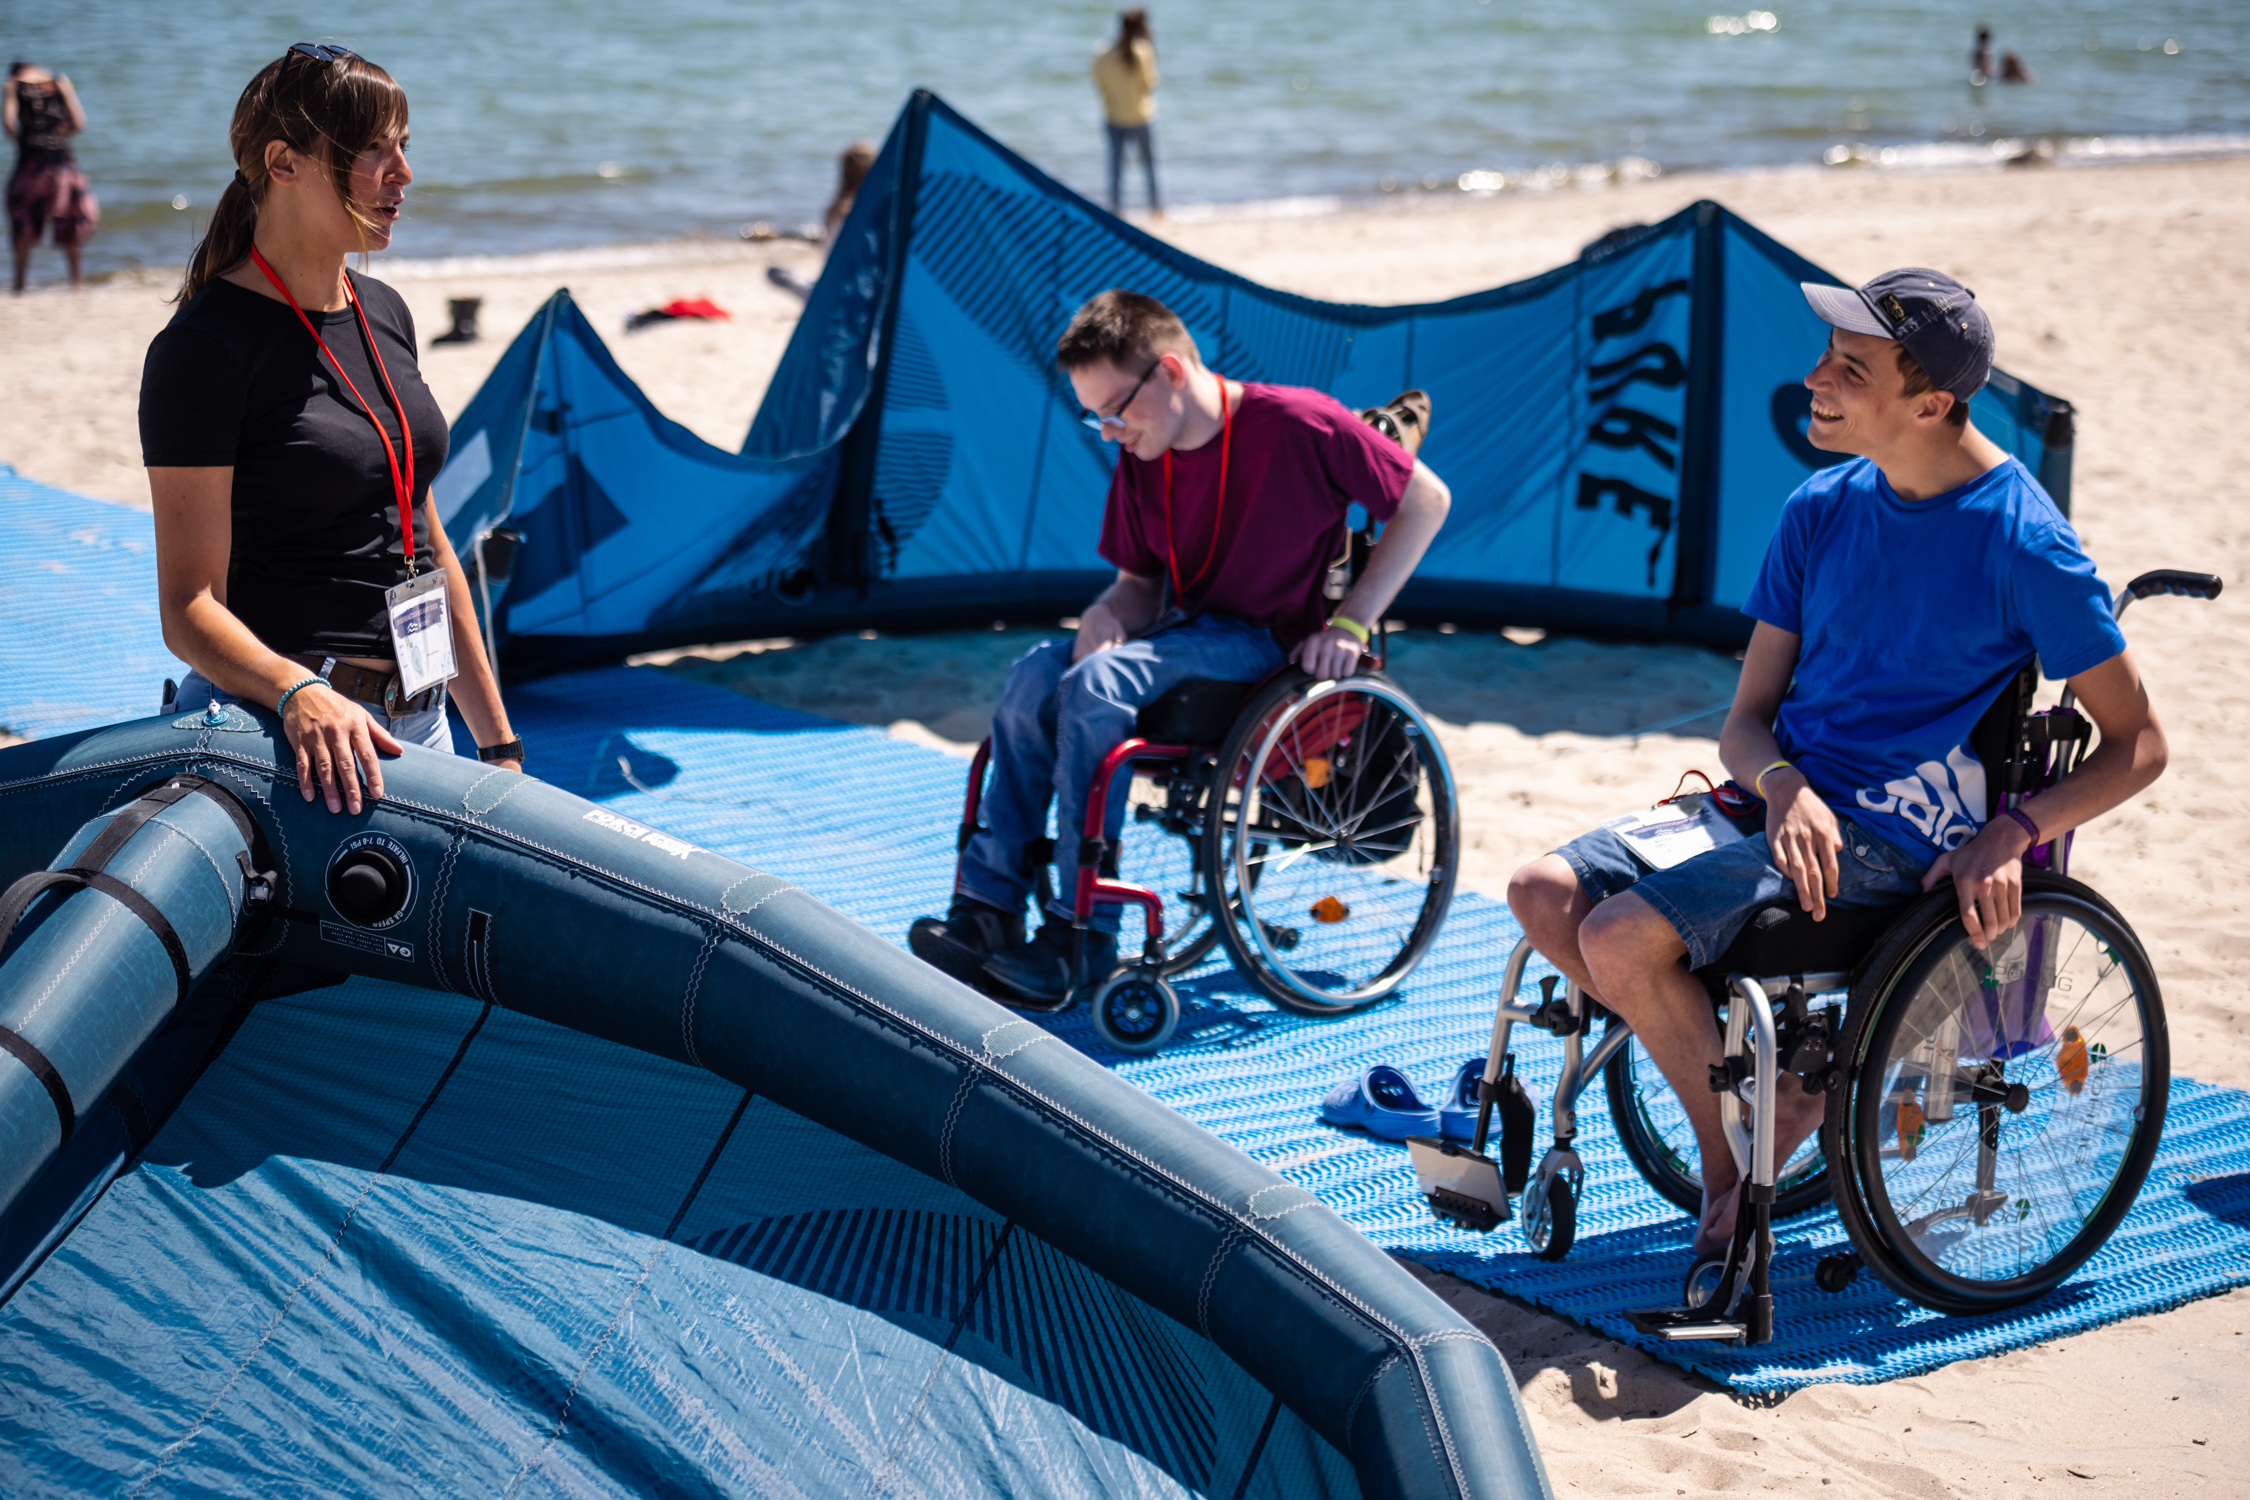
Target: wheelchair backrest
[2023,751]
[1997,740]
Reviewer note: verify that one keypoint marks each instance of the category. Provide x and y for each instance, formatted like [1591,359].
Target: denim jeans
[1121,136]
[1055,723]
[427,728]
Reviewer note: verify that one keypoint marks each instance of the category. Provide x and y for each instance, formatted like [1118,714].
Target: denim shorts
[1708,898]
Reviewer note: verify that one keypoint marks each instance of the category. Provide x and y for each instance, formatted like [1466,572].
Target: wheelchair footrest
[1469,1213]
[1683,1323]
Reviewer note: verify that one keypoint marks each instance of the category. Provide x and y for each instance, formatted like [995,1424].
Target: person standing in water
[1125,73]
[41,112]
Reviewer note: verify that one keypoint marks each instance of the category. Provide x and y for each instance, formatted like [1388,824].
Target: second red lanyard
[402,483]
[1218,511]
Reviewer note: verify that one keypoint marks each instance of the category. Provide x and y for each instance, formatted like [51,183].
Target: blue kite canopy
[1618,433]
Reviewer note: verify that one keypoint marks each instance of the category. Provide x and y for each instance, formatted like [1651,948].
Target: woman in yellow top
[1125,72]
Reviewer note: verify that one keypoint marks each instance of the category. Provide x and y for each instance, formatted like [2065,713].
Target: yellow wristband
[1759,785]
[1346,623]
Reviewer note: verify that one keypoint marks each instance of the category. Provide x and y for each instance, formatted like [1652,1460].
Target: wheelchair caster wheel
[1835,1272]
[1135,1010]
[1550,1217]
[1703,1279]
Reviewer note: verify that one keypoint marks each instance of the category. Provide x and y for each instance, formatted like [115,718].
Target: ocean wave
[694,250]
[2025,151]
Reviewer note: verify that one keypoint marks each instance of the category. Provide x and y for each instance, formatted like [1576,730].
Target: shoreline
[1431,195]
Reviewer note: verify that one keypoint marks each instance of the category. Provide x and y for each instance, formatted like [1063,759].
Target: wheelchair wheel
[1174,867]
[1550,1217]
[1134,1011]
[1653,1129]
[2004,1106]
[1333,826]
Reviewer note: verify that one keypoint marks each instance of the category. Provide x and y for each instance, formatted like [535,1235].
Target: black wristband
[505,750]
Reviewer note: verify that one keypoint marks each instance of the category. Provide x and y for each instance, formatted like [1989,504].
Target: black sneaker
[1039,971]
[969,933]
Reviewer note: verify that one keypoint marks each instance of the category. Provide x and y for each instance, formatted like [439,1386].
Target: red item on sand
[694,307]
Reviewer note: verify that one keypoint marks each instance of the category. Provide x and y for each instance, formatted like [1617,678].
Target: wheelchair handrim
[1927,1280]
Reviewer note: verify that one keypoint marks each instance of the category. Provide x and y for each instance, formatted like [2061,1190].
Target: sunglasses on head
[1097,421]
[321,52]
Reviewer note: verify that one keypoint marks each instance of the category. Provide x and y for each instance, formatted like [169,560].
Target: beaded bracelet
[294,689]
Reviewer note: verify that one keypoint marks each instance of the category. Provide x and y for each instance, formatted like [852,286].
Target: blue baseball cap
[1935,317]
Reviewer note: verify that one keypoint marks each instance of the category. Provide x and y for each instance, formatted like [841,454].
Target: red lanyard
[402,488]
[1172,548]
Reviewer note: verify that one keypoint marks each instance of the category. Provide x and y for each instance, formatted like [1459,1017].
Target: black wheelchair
[1990,1115]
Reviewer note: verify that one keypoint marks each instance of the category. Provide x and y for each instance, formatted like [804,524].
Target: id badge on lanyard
[421,632]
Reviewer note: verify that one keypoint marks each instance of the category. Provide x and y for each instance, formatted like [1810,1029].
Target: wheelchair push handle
[2170,581]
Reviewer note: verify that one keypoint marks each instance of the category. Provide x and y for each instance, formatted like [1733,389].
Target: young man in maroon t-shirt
[1223,515]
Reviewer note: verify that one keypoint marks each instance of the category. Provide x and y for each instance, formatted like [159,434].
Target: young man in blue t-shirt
[1900,594]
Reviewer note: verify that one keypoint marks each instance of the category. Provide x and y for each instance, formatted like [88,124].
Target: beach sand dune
[2120,288]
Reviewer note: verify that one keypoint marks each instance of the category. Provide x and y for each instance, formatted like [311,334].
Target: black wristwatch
[505,750]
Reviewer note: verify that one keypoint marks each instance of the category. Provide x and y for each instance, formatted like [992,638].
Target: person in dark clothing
[41,112]
[290,445]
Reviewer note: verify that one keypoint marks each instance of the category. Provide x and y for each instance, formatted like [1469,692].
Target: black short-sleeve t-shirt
[234,380]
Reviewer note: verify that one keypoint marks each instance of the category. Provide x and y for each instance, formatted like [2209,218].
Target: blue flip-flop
[1382,1102]
[1457,1116]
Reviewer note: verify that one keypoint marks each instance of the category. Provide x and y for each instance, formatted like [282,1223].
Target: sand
[2121,288]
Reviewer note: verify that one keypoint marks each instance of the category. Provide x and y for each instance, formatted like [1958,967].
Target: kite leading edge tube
[503,888]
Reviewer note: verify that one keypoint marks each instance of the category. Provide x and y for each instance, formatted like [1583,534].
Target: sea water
[541,124]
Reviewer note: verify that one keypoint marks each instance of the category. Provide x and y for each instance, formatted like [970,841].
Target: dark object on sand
[463,311]
[678,307]
[789,281]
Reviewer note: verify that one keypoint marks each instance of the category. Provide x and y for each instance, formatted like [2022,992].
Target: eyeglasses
[321,52]
[1097,421]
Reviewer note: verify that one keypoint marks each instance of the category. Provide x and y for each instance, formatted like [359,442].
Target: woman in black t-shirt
[290,442]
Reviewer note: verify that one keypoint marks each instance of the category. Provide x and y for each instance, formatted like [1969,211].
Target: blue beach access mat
[354,1199]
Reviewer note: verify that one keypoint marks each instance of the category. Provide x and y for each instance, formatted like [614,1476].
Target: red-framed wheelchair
[1990,1114]
[1307,825]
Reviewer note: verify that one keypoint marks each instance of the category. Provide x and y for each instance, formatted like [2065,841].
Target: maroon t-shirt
[1296,460]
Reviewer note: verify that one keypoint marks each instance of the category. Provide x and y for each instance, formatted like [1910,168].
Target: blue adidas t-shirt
[1913,618]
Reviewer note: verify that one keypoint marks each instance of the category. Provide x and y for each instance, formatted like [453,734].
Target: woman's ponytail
[226,239]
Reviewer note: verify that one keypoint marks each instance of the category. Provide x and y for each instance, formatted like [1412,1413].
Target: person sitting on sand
[1221,521]
[1900,594]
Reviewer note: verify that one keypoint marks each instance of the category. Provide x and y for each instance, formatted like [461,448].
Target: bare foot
[1714,1227]
[1796,1116]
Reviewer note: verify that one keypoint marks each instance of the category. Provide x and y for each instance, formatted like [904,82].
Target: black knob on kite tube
[367,886]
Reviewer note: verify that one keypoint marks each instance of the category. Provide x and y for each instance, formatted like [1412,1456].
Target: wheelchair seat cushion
[1783,939]
[1197,712]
